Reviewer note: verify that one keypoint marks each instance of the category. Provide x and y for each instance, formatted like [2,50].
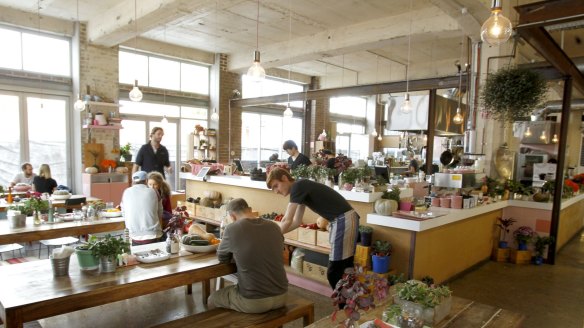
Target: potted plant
[388,202]
[85,258]
[540,244]
[523,236]
[381,256]
[107,250]
[504,225]
[511,94]
[125,152]
[301,172]
[348,178]
[35,206]
[380,184]
[366,232]
[422,302]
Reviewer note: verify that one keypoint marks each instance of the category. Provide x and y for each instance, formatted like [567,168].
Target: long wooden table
[30,292]
[463,314]
[61,203]
[33,232]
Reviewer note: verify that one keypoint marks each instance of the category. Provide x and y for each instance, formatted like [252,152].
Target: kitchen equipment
[458,180]
[446,158]
[525,166]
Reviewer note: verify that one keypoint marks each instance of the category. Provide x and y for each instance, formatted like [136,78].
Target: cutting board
[88,157]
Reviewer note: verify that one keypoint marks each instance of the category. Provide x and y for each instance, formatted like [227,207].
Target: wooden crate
[363,256]
[314,271]
[322,239]
[190,208]
[501,254]
[292,235]
[215,214]
[307,236]
[520,257]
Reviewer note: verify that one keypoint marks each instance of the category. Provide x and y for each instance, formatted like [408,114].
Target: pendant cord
[289,45]
[258,28]
[409,50]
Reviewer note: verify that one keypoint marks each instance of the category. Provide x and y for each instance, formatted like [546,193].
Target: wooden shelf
[102,104]
[104,127]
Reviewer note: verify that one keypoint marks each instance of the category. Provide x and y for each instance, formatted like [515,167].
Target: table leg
[189,289]
[13,319]
[206,290]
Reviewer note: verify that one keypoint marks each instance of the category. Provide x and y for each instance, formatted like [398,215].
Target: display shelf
[104,127]
[194,146]
[102,104]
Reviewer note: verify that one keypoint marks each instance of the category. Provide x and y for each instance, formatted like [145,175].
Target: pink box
[445,202]
[456,202]
[436,201]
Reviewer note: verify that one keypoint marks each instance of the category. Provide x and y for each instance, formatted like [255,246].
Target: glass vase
[36,218]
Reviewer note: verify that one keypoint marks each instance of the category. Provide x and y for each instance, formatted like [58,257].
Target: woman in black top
[296,158]
[43,182]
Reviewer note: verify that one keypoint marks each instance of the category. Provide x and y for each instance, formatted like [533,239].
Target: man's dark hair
[289,144]
[24,165]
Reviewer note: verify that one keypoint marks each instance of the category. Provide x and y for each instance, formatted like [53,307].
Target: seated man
[256,246]
[26,176]
[142,211]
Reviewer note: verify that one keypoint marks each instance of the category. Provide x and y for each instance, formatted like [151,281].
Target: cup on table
[445,202]
[456,202]
[436,201]
[109,205]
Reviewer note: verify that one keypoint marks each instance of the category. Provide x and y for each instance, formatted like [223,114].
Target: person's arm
[292,218]
[135,168]
[138,161]
[223,253]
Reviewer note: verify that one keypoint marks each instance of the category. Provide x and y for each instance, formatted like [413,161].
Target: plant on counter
[301,172]
[422,293]
[107,164]
[421,304]
[342,163]
[511,94]
[504,225]
[393,194]
[350,175]
[570,187]
[523,235]
[381,248]
[125,152]
[540,245]
[365,229]
[108,247]
[319,173]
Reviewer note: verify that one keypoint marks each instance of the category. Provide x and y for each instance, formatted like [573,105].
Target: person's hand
[169,169]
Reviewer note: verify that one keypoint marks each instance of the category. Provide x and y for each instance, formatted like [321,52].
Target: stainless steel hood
[445,111]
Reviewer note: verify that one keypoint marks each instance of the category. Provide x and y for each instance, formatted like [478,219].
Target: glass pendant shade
[497,28]
[555,138]
[136,94]
[215,116]
[79,104]
[380,138]
[542,136]
[288,112]
[374,133]
[256,72]
[164,120]
[458,119]
[406,107]
[527,132]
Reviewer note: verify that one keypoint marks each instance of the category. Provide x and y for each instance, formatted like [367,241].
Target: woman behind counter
[44,182]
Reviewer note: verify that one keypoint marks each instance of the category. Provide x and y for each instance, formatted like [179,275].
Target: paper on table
[63,252]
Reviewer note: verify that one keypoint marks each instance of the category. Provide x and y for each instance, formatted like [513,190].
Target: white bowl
[199,249]
[60,197]
[111,214]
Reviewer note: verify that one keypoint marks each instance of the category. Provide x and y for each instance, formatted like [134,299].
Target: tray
[155,255]
[199,249]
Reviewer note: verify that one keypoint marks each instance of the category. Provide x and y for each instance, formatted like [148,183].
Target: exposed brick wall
[229,134]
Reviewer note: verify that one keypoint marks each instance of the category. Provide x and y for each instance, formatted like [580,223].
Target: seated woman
[156,181]
[44,182]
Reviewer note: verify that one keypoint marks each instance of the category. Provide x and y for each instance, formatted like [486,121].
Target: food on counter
[60,192]
[312,226]
[272,216]
[322,223]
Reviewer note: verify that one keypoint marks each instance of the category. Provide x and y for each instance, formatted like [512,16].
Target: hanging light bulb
[527,132]
[135,94]
[555,138]
[542,137]
[425,138]
[458,119]
[288,112]
[79,104]
[256,72]
[497,28]
[374,133]
[164,120]
[215,116]
[380,138]
[406,106]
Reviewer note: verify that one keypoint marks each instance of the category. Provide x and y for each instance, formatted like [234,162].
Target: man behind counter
[296,158]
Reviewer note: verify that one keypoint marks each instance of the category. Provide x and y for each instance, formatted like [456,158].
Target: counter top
[450,215]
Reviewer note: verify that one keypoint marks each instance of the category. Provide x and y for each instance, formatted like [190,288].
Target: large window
[263,135]
[35,52]
[349,115]
[163,73]
[33,130]
[270,87]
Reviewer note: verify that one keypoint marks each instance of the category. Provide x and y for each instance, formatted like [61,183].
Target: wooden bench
[295,308]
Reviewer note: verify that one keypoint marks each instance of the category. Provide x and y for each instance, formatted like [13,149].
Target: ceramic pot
[380,264]
[86,260]
[366,238]
[348,186]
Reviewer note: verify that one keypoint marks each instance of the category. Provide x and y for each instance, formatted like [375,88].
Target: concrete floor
[549,296]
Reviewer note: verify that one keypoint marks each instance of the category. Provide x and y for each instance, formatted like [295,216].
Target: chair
[56,242]
[10,247]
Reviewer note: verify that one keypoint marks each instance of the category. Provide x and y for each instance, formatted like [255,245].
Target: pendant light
[496,29]
[374,133]
[458,119]
[406,106]
[79,104]
[215,116]
[380,137]
[164,120]
[288,113]
[543,136]
[256,72]
[555,138]
[135,93]
[527,132]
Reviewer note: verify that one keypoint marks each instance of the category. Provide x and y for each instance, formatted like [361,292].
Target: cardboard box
[292,235]
[322,239]
[520,257]
[314,271]
[363,256]
[501,254]
[307,236]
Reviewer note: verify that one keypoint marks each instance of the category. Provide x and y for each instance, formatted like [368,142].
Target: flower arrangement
[178,220]
[523,235]
[342,163]
[106,164]
[573,186]
[504,224]
[357,291]
[579,178]
[541,243]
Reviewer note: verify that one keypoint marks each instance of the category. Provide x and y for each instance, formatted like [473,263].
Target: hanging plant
[511,94]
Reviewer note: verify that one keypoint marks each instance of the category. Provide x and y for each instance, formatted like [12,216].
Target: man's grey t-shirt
[257,246]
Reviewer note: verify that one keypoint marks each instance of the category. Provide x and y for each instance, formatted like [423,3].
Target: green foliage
[301,172]
[318,172]
[392,194]
[34,204]
[125,150]
[382,248]
[380,180]
[395,279]
[541,243]
[366,229]
[351,174]
[510,94]
[108,246]
[504,224]
[418,292]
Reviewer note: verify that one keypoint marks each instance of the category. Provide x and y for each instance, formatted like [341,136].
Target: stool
[56,242]
[220,281]
[10,247]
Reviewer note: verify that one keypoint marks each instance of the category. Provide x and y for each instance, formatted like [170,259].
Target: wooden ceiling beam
[546,13]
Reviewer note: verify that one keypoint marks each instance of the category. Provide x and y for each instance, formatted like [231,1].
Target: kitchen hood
[445,111]
[541,132]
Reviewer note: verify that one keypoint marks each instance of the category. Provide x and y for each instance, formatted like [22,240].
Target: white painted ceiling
[345,42]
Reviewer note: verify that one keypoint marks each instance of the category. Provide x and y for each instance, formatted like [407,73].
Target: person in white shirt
[142,211]
[26,176]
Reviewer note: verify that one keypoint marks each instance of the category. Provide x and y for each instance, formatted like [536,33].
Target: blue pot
[522,247]
[538,260]
[503,244]
[380,263]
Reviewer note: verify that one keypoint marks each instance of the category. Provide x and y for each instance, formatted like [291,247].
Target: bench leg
[189,289]
[308,319]
[206,290]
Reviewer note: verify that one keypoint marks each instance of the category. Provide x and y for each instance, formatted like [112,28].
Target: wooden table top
[57,203]
[31,292]
[463,314]
[33,232]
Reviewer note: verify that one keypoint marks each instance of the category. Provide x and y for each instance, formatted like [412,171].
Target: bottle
[51,217]
[127,235]
[174,244]
[168,243]
[9,198]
